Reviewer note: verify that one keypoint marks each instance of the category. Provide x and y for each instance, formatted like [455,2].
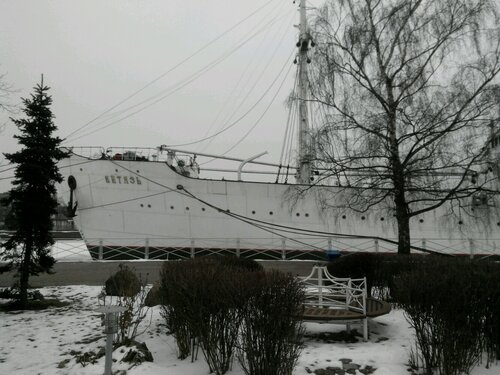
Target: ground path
[96,272]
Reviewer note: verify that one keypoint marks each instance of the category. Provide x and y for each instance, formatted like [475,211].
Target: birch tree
[409,100]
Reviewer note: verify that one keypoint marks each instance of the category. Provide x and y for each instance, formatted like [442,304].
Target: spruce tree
[33,197]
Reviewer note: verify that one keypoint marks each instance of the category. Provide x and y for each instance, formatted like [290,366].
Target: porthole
[149,206]
[460,222]
[253,212]
[307,215]
[136,171]
[297,214]
[498,224]
[382,219]
[81,169]
[142,205]
[116,170]
[203,208]
[421,220]
[343,216]
[187,208]
[171,207]
[270,212]
[363,218]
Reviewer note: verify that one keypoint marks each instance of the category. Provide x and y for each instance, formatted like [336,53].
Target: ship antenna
[304,137]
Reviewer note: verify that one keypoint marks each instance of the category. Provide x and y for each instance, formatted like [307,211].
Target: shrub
[272,326]
[202,299]
[222,302]
[123,283]
[446,302]
[126,289]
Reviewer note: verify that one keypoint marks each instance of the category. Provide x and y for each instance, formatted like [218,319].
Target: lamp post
[110,328]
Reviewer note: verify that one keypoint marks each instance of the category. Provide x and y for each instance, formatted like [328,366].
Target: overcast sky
[96,53]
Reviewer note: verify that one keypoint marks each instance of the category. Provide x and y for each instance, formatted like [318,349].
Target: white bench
[330,299]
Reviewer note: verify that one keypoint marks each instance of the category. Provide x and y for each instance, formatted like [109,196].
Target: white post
[238,248]
[283,249]
[192,249]
[471,247]
[146,249]
[100,256]
[376,245]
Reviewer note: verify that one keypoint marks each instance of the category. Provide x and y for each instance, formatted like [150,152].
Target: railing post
[330,244]
[283,249]
[471,247]
[237,248]
[424,244]
[192,249]
[320,286]
[146,249]
[376,245]
[100,255]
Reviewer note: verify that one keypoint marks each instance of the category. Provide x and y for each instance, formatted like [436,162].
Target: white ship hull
[144,209]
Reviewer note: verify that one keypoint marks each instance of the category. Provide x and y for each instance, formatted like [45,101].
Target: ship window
[421,220]
[171,207]
[253,212]
[307,215]
[187,208]
[363,218]
[270,212]
[136,171]
[343,216]
[81,169]
[203,208]
[116,170]
[297,214]
[498,224]
[460,222]
[142,205]
[149,205]
[382,219]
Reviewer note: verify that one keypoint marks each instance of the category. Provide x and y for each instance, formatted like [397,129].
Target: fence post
[283,249]
[192,249]
[146,249]
[237,248]
[100,255]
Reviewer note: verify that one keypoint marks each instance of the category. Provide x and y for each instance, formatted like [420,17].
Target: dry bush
[272,327]
[450,304]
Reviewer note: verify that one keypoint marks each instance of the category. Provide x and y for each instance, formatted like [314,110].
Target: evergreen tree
[32,198]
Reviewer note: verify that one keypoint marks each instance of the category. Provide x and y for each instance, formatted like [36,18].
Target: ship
[160,203]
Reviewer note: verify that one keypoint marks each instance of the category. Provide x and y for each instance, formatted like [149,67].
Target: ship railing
[277,249]
[227,166]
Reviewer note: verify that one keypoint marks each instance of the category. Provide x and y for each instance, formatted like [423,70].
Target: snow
[36,342]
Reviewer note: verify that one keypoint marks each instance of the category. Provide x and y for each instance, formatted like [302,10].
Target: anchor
[71,211]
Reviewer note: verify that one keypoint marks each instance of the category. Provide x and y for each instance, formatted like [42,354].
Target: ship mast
[304,137]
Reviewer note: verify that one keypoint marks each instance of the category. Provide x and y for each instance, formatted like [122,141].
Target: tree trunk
[404,235]
[24,276]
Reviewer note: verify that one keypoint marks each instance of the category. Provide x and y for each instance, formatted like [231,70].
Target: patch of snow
[37,342]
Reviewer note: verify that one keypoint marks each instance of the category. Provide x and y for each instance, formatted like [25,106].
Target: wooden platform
[374,308]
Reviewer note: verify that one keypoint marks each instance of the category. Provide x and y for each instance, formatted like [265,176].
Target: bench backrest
[324,290]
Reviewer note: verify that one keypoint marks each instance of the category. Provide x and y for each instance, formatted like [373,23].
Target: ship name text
[124,180]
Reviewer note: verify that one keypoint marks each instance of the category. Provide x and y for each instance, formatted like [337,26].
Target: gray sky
[95,53]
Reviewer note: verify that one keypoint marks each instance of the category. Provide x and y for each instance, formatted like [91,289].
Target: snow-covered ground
[42,342]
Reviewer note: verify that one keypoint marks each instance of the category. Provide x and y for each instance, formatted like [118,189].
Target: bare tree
[408,100]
